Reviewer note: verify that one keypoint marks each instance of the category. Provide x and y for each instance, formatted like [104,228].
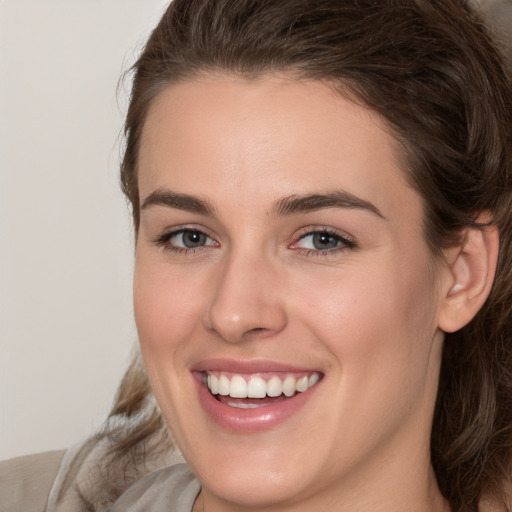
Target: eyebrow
[170,199]
[294,204]
[311,202]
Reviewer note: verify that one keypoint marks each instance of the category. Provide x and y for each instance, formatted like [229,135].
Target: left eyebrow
[310,202]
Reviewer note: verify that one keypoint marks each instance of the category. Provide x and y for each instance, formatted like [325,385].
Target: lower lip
[250,420]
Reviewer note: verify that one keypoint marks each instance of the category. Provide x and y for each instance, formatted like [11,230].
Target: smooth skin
[350,290]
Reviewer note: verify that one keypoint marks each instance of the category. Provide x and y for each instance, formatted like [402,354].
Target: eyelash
[343,242]
[164,241]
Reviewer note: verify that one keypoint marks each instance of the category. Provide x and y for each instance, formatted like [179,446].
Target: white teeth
[256,387]
[302,384]
[289,386]
[213,384]
[223,385]
[238,387]
[241,405]
[274,386]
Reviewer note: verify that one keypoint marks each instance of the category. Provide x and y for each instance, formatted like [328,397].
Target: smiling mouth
[260,390]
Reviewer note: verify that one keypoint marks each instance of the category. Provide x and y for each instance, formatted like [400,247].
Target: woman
[321,194]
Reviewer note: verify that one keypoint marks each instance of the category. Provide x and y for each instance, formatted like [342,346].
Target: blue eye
[185,240]
[320,241]
[323,241]
[188,239]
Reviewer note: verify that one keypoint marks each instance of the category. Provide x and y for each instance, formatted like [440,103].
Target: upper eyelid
[171,231]
[311,230]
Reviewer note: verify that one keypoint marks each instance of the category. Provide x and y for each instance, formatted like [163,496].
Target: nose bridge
[246,297]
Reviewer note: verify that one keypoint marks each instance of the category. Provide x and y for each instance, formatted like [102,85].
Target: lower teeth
[241,405]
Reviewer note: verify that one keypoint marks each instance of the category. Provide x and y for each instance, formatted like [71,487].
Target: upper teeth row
[257,387]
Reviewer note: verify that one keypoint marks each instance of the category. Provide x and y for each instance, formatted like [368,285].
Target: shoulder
[170,489]
[25,482]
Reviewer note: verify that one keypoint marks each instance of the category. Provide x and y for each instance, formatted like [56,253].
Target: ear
[471,267]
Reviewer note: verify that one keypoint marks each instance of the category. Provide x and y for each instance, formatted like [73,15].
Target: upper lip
[248,366]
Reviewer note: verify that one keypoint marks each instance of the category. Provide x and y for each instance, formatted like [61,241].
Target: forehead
[267,137]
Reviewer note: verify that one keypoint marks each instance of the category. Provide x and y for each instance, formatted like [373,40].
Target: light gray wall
[66,324]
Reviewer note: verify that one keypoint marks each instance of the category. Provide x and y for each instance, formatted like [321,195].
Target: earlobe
[471,268]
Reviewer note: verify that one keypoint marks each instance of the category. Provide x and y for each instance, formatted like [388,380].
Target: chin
[254,488]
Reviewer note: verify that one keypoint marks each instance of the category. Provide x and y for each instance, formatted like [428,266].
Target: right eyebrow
[170,199]
[334,199]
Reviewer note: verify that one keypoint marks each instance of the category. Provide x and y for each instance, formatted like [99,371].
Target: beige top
[34,483]
[25,482]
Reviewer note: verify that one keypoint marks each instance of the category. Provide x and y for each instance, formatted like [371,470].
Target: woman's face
[281,252]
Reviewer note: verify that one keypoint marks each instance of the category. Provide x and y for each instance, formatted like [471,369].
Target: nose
[247,300]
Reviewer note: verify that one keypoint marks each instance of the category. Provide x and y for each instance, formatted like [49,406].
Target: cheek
[378,321]
[383,298]
[166,304]
[166,317]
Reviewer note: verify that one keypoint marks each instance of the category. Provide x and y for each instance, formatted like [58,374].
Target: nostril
[258,333]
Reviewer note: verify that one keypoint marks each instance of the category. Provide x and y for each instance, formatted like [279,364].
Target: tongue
[268,400]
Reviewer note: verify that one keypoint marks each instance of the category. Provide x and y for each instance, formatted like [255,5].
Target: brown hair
[430,68]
